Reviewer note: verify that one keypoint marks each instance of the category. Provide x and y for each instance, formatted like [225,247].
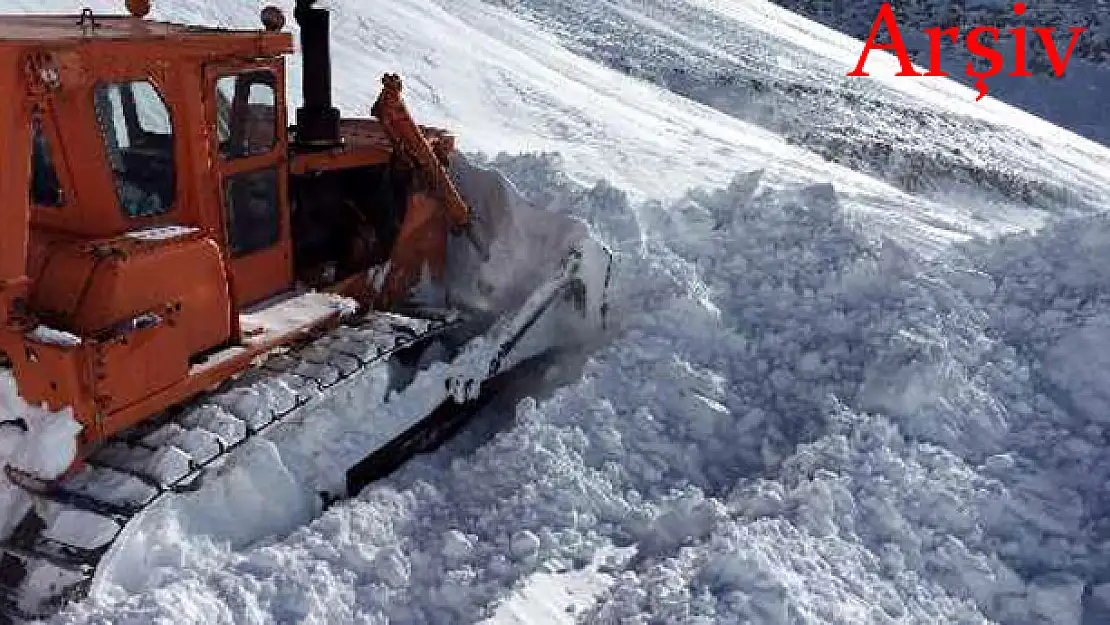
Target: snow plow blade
[315,422]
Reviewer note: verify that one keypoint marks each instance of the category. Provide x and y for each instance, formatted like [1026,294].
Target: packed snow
[850,432]
[167,233]
[34,440]
[46,335]
[859,384]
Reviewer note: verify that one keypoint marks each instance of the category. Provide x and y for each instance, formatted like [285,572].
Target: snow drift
[801,423]
[818,408]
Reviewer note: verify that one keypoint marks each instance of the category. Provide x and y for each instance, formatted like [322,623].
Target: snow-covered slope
[776,70]
[508,85]
[828,402]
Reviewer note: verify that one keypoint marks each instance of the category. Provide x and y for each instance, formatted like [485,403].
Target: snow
[1085,82]
[730,445]
[276,318]
[850,384]
[557,597]
[51,336]
[166,233]
[35,440]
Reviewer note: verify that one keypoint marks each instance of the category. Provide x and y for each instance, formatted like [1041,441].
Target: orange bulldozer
[198,281]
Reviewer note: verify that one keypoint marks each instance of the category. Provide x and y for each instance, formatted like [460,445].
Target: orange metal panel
[136,365]
[345,158]
[62,282]
[365,143]
[15,143]
[52,374]
[118,279]
[421,249]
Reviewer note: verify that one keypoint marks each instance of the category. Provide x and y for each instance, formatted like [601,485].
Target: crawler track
[51,558]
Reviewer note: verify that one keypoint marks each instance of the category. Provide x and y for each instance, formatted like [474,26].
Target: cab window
[45,188]
[253,220]
[138,139]
[246,114]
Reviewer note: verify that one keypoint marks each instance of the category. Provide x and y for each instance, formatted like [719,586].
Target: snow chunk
[456,545]
[1078,364]
[34,440]
[525,544]
[392,567]
[167,233]
[50,336]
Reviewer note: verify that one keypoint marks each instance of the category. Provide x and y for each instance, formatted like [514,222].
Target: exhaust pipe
[317,120]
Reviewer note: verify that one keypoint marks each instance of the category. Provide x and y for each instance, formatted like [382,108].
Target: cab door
[246,108]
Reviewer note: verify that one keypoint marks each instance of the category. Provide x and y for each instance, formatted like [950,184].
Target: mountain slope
[774,69]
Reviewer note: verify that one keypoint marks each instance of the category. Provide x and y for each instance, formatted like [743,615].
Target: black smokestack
[317,120]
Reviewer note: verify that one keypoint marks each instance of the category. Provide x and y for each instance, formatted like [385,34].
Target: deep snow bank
[975,485]
[800,423]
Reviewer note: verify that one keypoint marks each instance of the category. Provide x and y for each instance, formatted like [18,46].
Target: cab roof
[67,29]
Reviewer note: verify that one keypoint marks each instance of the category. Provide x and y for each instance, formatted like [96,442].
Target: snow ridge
[832,429]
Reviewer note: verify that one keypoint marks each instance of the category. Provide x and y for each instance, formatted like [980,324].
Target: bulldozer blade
[514,248]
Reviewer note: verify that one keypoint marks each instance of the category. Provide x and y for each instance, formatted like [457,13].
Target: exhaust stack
[317,120]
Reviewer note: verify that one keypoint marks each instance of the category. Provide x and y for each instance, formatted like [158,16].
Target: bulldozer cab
[136,126]
[158,209]
[162,212]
